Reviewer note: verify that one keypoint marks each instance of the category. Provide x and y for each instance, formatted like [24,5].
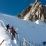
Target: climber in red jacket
[13,32]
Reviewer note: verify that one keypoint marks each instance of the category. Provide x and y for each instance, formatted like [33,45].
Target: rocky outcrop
[34,12]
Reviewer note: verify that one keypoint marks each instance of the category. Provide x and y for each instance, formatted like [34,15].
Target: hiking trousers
[13,36]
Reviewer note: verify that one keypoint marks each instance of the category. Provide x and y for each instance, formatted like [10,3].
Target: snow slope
[5,35]
[33,32]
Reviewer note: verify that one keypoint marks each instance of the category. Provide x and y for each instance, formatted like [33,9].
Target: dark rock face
[34,12]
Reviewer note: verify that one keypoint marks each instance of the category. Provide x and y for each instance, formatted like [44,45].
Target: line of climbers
[12,34]
[12,31]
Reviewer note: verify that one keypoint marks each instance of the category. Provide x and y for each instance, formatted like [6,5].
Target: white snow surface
[4,35]
[33,32]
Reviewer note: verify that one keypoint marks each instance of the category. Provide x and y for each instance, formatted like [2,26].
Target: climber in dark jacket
[7,26]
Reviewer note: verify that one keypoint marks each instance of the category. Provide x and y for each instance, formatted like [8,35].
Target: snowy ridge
[33,32]
[4,35]
[39,22]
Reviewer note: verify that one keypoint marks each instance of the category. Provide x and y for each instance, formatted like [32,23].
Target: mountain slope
[34,12]
[33,32]
[5,38]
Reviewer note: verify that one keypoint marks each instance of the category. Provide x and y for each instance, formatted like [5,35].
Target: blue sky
[16,6]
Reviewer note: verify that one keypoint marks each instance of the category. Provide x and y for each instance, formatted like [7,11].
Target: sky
[15,7]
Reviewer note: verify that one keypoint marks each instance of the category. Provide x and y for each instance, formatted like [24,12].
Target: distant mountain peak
[36,0]
[34,12]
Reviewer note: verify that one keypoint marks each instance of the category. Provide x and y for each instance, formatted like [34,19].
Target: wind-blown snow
[40,22]
[33,32]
